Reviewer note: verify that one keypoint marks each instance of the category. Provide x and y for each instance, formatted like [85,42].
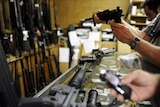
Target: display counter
[92,81]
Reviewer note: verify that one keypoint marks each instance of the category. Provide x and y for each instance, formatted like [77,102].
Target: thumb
[129,78]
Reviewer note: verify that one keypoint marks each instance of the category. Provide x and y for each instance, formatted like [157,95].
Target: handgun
[114,82]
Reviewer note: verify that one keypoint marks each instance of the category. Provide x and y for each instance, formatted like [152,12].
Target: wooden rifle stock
[33,66]
[25,77]
[11,68]
[46,70]
[5,31]
[47,67]
[52,68]
[19,75]
[53,65]
[45,63]
[51,72]
[39,74]
[3,18]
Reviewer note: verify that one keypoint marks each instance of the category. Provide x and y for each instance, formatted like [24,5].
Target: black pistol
[113,81]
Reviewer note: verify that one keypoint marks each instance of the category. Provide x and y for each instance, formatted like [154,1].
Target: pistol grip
[127,91]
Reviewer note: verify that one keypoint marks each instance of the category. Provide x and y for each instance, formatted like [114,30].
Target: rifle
[31,22]
[19,79]
[47,68]
[73,97]
[55,65]
[99,54]
[55,23]
[11,68]
[46,14]
[47,21]
[40,79]
[21,33]
[64,96]
[27,17]
[25,77]
[32,85]
[45,63]
[5,31]
[78,78]
[67,95]
[5,21]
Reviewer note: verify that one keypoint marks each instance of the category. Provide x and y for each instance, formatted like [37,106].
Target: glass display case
[92,81]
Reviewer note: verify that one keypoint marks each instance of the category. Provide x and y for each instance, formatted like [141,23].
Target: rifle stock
[39,74]
[40,71]
[19,75]
[66,96]
[31,75]
[53,65]
[25,77]
[33,66]
[46,71]
[57,65]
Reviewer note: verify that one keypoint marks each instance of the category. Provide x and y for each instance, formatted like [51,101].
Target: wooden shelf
[139,24]
[136,16]
[139,16]
[138,0]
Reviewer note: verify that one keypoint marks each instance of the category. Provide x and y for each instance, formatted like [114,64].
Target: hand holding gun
[106,15]
[114,82]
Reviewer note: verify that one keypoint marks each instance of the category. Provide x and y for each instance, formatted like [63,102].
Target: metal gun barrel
[78,78]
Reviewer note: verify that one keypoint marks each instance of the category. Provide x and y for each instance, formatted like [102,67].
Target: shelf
[139,24]
[138,0]
[139,16]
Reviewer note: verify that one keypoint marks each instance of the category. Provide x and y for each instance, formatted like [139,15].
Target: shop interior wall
[72,11]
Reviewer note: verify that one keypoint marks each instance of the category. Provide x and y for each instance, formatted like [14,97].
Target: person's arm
[149,51]
[135,30]
[142,88]
[125,34]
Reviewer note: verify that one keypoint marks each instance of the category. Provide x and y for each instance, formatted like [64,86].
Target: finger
[100,10]
[115,25]
[120,97]
[113,92]
[129,78]
[96,19]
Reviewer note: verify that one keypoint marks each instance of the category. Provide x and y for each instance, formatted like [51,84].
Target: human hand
[96,18]
[143,84]
[122,32]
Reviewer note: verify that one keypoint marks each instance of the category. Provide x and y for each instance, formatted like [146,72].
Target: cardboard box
[108,44]
[123,48]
